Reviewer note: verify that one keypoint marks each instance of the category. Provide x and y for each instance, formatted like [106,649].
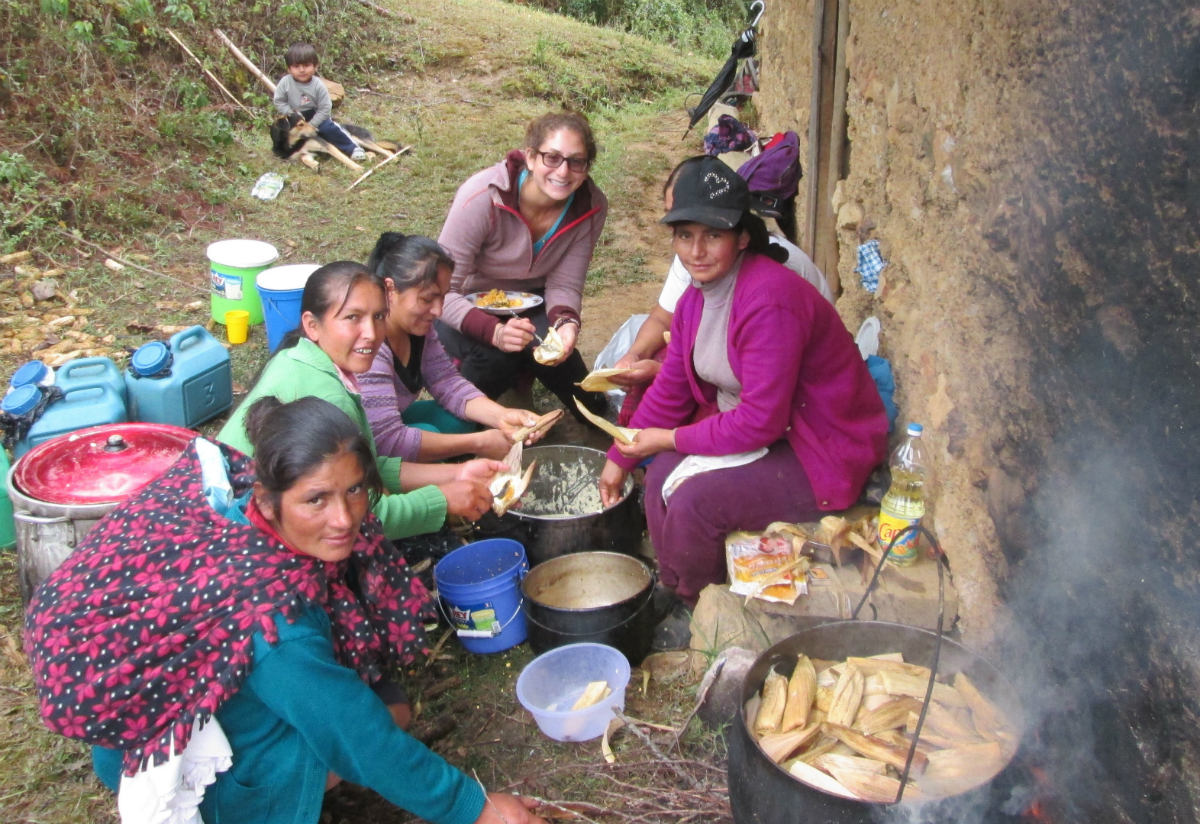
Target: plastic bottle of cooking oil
[904,503]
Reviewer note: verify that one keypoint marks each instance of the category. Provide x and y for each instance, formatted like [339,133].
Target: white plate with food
[500,302]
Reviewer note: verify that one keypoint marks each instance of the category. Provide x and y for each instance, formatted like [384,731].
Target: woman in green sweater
[342,316]
[224,638]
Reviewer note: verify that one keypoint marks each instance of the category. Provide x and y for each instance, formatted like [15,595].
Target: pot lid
[100,464]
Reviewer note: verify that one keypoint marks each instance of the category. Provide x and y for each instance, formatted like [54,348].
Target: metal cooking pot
[63,486]
[560,512]
[603,597]
[763,792]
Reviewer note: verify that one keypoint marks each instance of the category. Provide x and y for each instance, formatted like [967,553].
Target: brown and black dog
[294,137]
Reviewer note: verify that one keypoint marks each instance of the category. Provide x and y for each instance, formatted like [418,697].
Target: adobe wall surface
[1030,170]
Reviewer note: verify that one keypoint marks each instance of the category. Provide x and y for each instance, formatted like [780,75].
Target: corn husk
[898,738]
[551,348]
[933,737]
[902,683]
[774,699]
[986,718]
[849,762]
[958,769]
[543,423]
[824,699]
[508,485]
[779,745]
[599,380]
[881,789]
[622,434]
[872,702]
[593,693]
[873,685]
[801,692]
[847,696]
[947,724]
[876,748]
[828,676]
[823,744]
[822,781]
[892,662]
[894,713]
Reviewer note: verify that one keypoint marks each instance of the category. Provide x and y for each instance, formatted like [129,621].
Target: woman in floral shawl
[224,630]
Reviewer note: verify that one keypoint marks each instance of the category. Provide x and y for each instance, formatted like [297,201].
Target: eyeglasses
[553,160]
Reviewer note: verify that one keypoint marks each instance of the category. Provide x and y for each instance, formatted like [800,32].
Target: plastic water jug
[99,371]
[79,408]
[183,382]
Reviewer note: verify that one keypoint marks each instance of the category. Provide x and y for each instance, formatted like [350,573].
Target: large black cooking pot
[603,597]
[560,513]
[763,792]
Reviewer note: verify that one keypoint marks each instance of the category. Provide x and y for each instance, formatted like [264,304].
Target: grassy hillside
[114,142]
[115,146]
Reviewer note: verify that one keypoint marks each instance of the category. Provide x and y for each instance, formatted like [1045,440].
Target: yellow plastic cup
[237,325]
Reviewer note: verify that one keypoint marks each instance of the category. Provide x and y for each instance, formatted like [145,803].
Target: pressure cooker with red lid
[62,487]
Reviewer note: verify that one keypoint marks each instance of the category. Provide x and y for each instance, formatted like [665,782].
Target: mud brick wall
[1030,170]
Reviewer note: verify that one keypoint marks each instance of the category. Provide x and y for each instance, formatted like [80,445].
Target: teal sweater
[304,370]
[300,714]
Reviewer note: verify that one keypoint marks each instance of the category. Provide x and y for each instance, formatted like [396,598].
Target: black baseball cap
[710,193]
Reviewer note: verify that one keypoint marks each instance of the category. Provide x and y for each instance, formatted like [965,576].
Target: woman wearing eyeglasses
[527,224]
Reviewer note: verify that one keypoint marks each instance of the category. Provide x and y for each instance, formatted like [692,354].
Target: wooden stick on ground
[211,76]
[245,61]
[377,167]
[75,239]
[692,782]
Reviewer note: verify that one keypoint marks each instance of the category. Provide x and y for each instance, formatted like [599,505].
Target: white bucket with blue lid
[233,266]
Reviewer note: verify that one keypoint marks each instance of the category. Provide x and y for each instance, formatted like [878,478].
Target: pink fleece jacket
[493,249]
[802,379]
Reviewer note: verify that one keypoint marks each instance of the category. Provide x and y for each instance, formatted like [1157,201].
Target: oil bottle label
[905,550]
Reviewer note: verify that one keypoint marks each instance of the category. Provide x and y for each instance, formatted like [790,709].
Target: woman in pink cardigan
[530,224]
[763,410]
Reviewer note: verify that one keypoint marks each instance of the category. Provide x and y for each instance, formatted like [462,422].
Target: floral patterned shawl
[148,625]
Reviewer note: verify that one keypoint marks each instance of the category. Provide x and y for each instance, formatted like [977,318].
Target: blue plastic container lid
[150,358]
[21,400]
[30,372]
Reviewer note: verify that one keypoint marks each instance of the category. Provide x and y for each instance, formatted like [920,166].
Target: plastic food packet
[766,566]
[268,186]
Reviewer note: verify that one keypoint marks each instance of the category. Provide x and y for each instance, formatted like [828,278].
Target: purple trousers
[689,533]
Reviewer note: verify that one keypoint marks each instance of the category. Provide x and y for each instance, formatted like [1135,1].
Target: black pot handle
[937,643]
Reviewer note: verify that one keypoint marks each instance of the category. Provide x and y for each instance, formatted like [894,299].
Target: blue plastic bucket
[479,586]
[280,288]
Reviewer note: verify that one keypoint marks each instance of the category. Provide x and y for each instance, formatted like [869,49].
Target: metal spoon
[516,314]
